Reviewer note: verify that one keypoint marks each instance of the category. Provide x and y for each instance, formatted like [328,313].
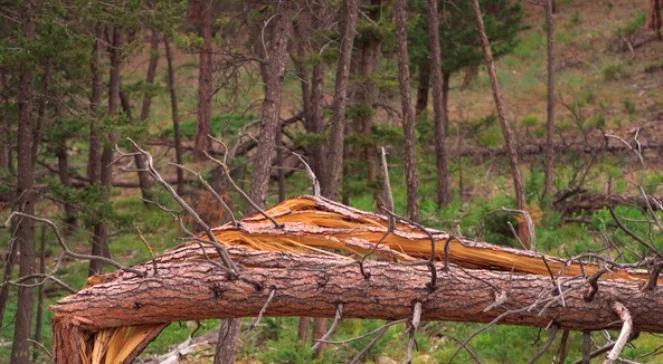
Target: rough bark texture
[654,18]
[188,283]
[411,180]
[443,195]
[272,74]
[204,113]
[228,335]
[334,167]
[504,123]
[314,285]
[550,110]
[175,116]
[26,199]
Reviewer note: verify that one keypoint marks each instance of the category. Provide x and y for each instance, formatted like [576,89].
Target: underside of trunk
[306,262]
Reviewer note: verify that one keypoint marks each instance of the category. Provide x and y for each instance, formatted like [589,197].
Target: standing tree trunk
[408,116]
[443,196]
[143,177]
[272,72]
[654,18]
[550,116]
[228,335]
[423,86]
[204,114]
[334,166]
[506,128]
[99,242]
[5,128]
[175,116]
[26,199]
[317,124]
[40,290]
[94,145]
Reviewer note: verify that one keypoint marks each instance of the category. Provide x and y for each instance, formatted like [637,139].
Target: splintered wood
[304,261]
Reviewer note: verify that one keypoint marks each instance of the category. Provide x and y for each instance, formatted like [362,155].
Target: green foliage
[225,124]
[459,39]
[635,24]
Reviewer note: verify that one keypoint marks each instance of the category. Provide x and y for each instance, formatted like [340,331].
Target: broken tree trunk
[581,201]
[298,260]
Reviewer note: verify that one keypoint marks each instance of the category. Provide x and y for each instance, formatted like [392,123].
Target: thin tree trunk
[654,18]
[550,111]
[26,200]
[501,115]
[9,261]
[273,72]
[40,291]
[408,116]
[175,116]
[204,113]
[302,329]
[100,237]
[423,86]
[63,173]
[94,145]
[143,177]
[440,116]
[5,127]
[334,165]
[225,347]
[317,121]
[279,163]
[41,111]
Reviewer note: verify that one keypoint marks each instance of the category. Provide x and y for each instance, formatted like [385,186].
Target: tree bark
[423,86]
[100,234]
[63,173]
[439,99]
[26,199]
[40,291]
[175,116]
[225,346]
[334,166]
[501,115]
[94,145]
[5,128]
[143,176]
[313,285]
[550,110]
[272,72]
[654,18]
[411,180]
[204,113]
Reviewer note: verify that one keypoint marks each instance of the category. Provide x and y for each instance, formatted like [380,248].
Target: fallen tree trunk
[308,285]
[574,202]
[293,253]
[530,149]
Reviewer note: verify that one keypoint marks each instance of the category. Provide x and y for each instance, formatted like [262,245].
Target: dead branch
[624,334]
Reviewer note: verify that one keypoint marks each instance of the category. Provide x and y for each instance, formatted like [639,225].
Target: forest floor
[597,91]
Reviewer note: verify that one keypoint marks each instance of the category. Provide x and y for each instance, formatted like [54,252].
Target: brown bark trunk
[334,166]
[423,86]
[439,110]
[654,18]
[41,111]
[26,200]
[574,202]
[550,110]
[228,335]
[204,113]
[40,291]
[5,128]
[272,72]
[317,122]
[175,116]
[302,329]
[63,173]
[143,176]
[314,285]
[9,261]
[364,95]
[501,115]
[100,234]
[94,145]
[411,180]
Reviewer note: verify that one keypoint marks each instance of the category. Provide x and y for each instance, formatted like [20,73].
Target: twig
[42,347]
[378,336]
[330,332]
[624,334]
[66,249]
[414,324]
[593,284]
[263,309]
[552,334]
[149,249]
[347,341]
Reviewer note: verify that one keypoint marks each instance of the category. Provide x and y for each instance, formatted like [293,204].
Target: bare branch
[414,324]
[330,332]
[624,334]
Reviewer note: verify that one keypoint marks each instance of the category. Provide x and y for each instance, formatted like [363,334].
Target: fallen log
[298,256]
[530,149]
[579,201]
